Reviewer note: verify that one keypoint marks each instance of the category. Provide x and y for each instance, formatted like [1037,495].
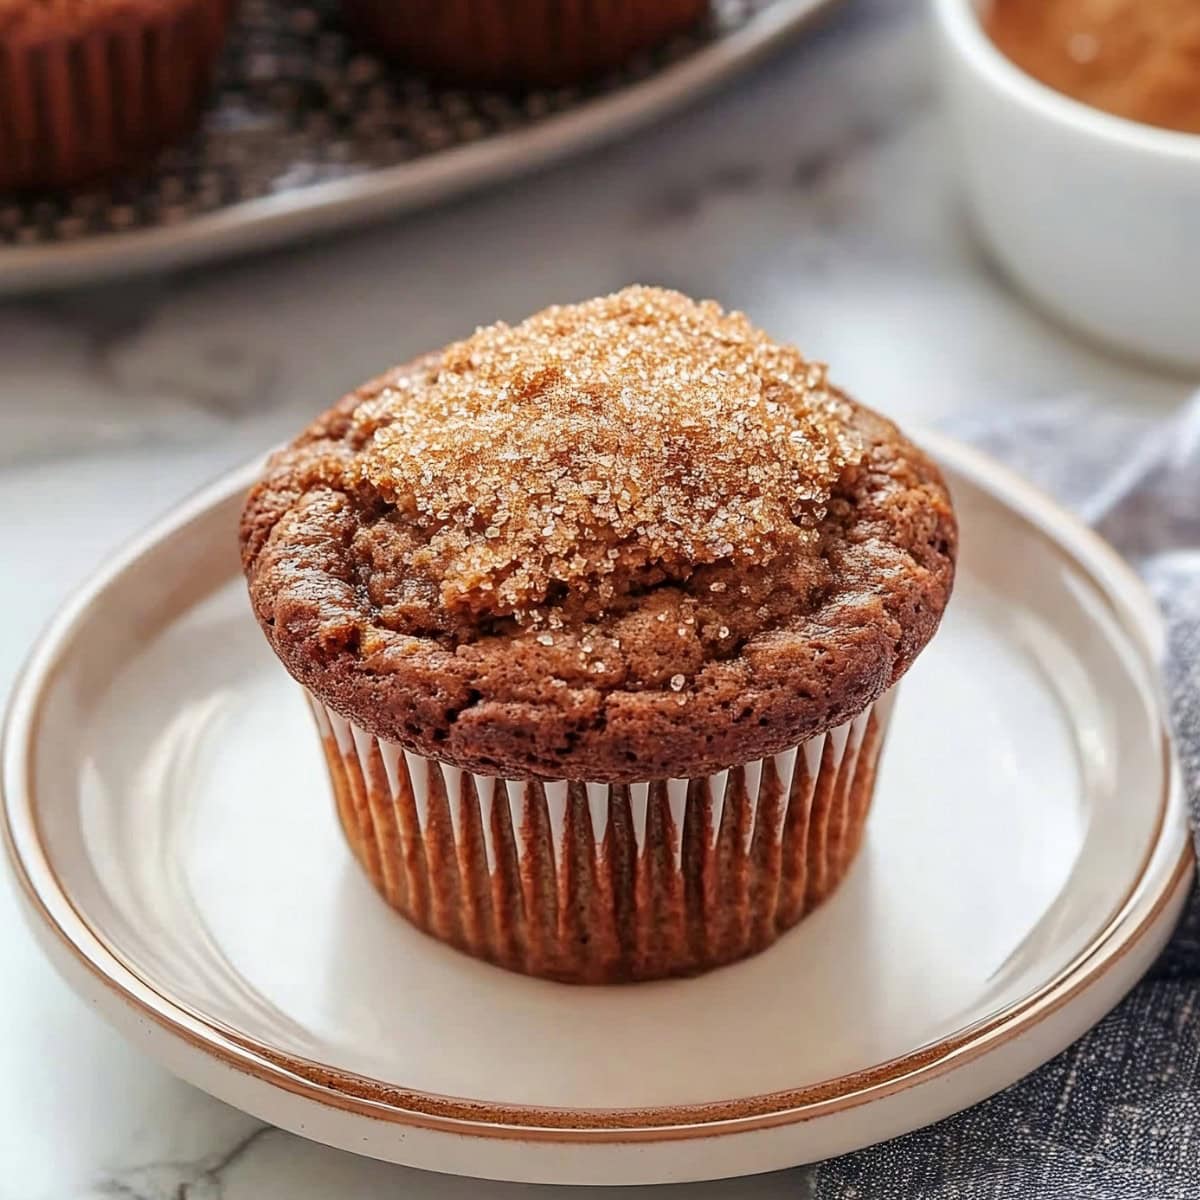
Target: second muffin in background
[600,617]
[91,87]
[518,43]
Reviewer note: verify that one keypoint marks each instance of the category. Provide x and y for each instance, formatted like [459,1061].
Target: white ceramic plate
[167,814]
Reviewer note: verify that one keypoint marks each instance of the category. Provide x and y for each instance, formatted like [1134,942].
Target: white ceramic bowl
[1096,217]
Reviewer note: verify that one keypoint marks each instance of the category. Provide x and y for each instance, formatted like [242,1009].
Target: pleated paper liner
[604,883]
[76,106]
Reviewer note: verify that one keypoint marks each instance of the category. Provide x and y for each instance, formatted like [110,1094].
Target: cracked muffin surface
[627,539]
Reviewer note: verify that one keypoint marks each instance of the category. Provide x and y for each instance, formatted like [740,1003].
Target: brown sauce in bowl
[1138,59]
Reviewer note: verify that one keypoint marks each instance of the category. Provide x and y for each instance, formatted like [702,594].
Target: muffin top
[627,539]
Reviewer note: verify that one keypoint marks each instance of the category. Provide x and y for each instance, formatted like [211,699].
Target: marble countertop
[817,194]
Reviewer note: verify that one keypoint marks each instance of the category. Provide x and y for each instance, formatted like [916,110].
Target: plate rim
[320,209]
[51,911]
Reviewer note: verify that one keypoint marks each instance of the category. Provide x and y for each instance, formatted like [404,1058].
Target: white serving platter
[307,134]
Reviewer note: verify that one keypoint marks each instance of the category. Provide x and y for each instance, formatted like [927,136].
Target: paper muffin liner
[77,106]
[518,42]
[598,882]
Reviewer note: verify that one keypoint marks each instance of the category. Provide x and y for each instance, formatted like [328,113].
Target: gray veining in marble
[815,194]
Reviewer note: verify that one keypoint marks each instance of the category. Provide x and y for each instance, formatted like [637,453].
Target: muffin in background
[600,617]
[92,87]
[518,43]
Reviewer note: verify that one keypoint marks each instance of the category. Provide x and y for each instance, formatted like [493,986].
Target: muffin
[600,617]
[89,87]
[515,43]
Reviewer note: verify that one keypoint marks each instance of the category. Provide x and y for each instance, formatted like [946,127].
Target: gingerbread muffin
[601,617]
[518,43]
[89,87]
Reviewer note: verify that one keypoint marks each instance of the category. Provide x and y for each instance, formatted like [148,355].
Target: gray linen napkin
[1116,1116]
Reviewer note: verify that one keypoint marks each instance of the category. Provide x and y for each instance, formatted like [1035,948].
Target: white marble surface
[816,194]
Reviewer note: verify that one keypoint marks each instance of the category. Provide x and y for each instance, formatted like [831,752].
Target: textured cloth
[1117,1115]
